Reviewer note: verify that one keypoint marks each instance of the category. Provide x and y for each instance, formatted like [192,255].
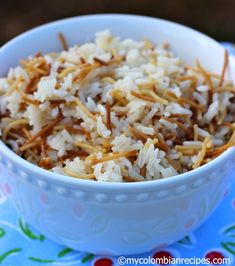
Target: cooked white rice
[116,111]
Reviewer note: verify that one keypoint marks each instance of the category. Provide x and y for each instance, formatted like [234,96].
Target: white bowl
[115,218]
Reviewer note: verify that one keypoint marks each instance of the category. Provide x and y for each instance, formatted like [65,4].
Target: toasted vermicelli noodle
[116,110]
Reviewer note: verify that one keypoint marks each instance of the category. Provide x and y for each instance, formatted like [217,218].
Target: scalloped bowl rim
[110,185]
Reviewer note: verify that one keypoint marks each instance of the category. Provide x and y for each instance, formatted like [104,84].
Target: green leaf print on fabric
[64,252]
[25,229]
[230,231]
[229,246]
[2,232]
[186,241]
[8,253]
[40,260]
[88,257]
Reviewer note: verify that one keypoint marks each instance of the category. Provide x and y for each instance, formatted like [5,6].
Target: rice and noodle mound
[116,110]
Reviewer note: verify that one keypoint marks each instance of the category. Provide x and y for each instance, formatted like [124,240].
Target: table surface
[21,245]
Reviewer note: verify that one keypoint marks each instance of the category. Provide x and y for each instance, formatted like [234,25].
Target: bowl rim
[110,185]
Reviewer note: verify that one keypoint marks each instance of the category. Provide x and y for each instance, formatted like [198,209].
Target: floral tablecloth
[21,245]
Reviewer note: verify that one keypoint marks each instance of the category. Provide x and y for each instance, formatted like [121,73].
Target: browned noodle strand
[63,41]
[108,116]
[225,65]
[139,135]
[113,156]
[44,130]
[207,78]
[143,97]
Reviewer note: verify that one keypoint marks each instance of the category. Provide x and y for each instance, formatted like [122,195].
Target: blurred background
[216,18]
